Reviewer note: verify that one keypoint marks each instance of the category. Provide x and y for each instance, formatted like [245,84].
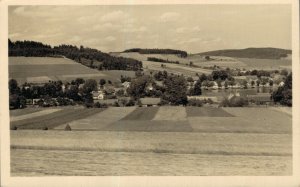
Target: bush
[195,102]
[234,102]
[13,127]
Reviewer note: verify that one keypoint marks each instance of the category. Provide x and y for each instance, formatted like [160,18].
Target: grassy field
[54,119]
[170,119]
[43,69]
[149,153]
[154,141]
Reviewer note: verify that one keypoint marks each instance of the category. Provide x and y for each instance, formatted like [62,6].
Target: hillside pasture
[43,69]
[267,64]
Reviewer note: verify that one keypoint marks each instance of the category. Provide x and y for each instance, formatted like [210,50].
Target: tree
[283,94]
[176,90]
[197,88]
[102,82]
[137,87]
[13,86]
[89,86]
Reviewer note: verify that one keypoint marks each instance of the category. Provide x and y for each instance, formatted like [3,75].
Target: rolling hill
[259,53]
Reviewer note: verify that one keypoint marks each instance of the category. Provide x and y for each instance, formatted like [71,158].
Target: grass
[100,120]
[266,63]
[55,119]
[28,110]
[206,112]
[34,114]
[142,113]
[43,69]
[171,113]
[150,126]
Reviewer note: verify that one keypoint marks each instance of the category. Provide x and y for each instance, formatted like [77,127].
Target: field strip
[99,120]
[38,79]
[171,113]
[211,152]
[34,114]
[286,110]
[157,142]
[83,75]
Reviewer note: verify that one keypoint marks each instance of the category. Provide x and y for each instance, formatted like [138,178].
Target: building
[98,95]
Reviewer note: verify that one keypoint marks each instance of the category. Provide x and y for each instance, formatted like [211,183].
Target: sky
[193,28]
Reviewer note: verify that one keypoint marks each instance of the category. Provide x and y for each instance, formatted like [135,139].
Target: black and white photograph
[135,89]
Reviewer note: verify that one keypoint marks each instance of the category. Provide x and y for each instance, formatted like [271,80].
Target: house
[260,98]
[149,101]
[126,84]
[215,85]
[98,95]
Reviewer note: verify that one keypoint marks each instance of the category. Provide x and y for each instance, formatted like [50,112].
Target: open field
[145,141]
[54,119]
[39,153]
[43,69]
[185,119]
[267,63]
[33,114]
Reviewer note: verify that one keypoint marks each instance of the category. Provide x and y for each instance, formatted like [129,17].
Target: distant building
[98,95]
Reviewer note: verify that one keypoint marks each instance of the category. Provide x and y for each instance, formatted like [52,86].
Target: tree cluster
[180,53]
[108,62]
[154,59]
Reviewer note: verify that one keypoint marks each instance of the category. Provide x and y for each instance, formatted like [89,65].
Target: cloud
[106,27]
[169,16]
[110,39]
[184,30]
[114,16]
[75,38]
[132,29]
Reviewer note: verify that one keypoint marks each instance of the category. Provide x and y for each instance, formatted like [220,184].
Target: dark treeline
[154,59]
[37,49]
[182,54]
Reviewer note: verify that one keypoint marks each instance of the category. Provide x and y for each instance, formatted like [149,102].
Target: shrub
[234,102]
[195,102]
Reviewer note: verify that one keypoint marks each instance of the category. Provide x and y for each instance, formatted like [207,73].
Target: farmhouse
[260,98]
[98,95]
[148,101]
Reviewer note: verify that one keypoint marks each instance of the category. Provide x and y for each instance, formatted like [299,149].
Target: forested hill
[158,51]
[263,53]
[38,49]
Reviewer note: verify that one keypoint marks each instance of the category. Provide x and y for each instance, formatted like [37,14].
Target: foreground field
[43,69]
[39,153]
[153,141]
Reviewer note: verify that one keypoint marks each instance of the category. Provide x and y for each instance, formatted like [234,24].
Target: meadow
[43,69]
[153,141]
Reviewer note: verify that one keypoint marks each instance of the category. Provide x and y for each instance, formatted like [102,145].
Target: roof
[150,101]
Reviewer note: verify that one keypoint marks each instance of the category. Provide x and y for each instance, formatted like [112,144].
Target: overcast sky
[194,28]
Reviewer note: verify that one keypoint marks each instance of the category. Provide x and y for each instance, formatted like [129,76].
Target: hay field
[43,69]
[99,120]
[267,64]
[147,141]
[171,113]
[149,153]
[54,119]
[34,114]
